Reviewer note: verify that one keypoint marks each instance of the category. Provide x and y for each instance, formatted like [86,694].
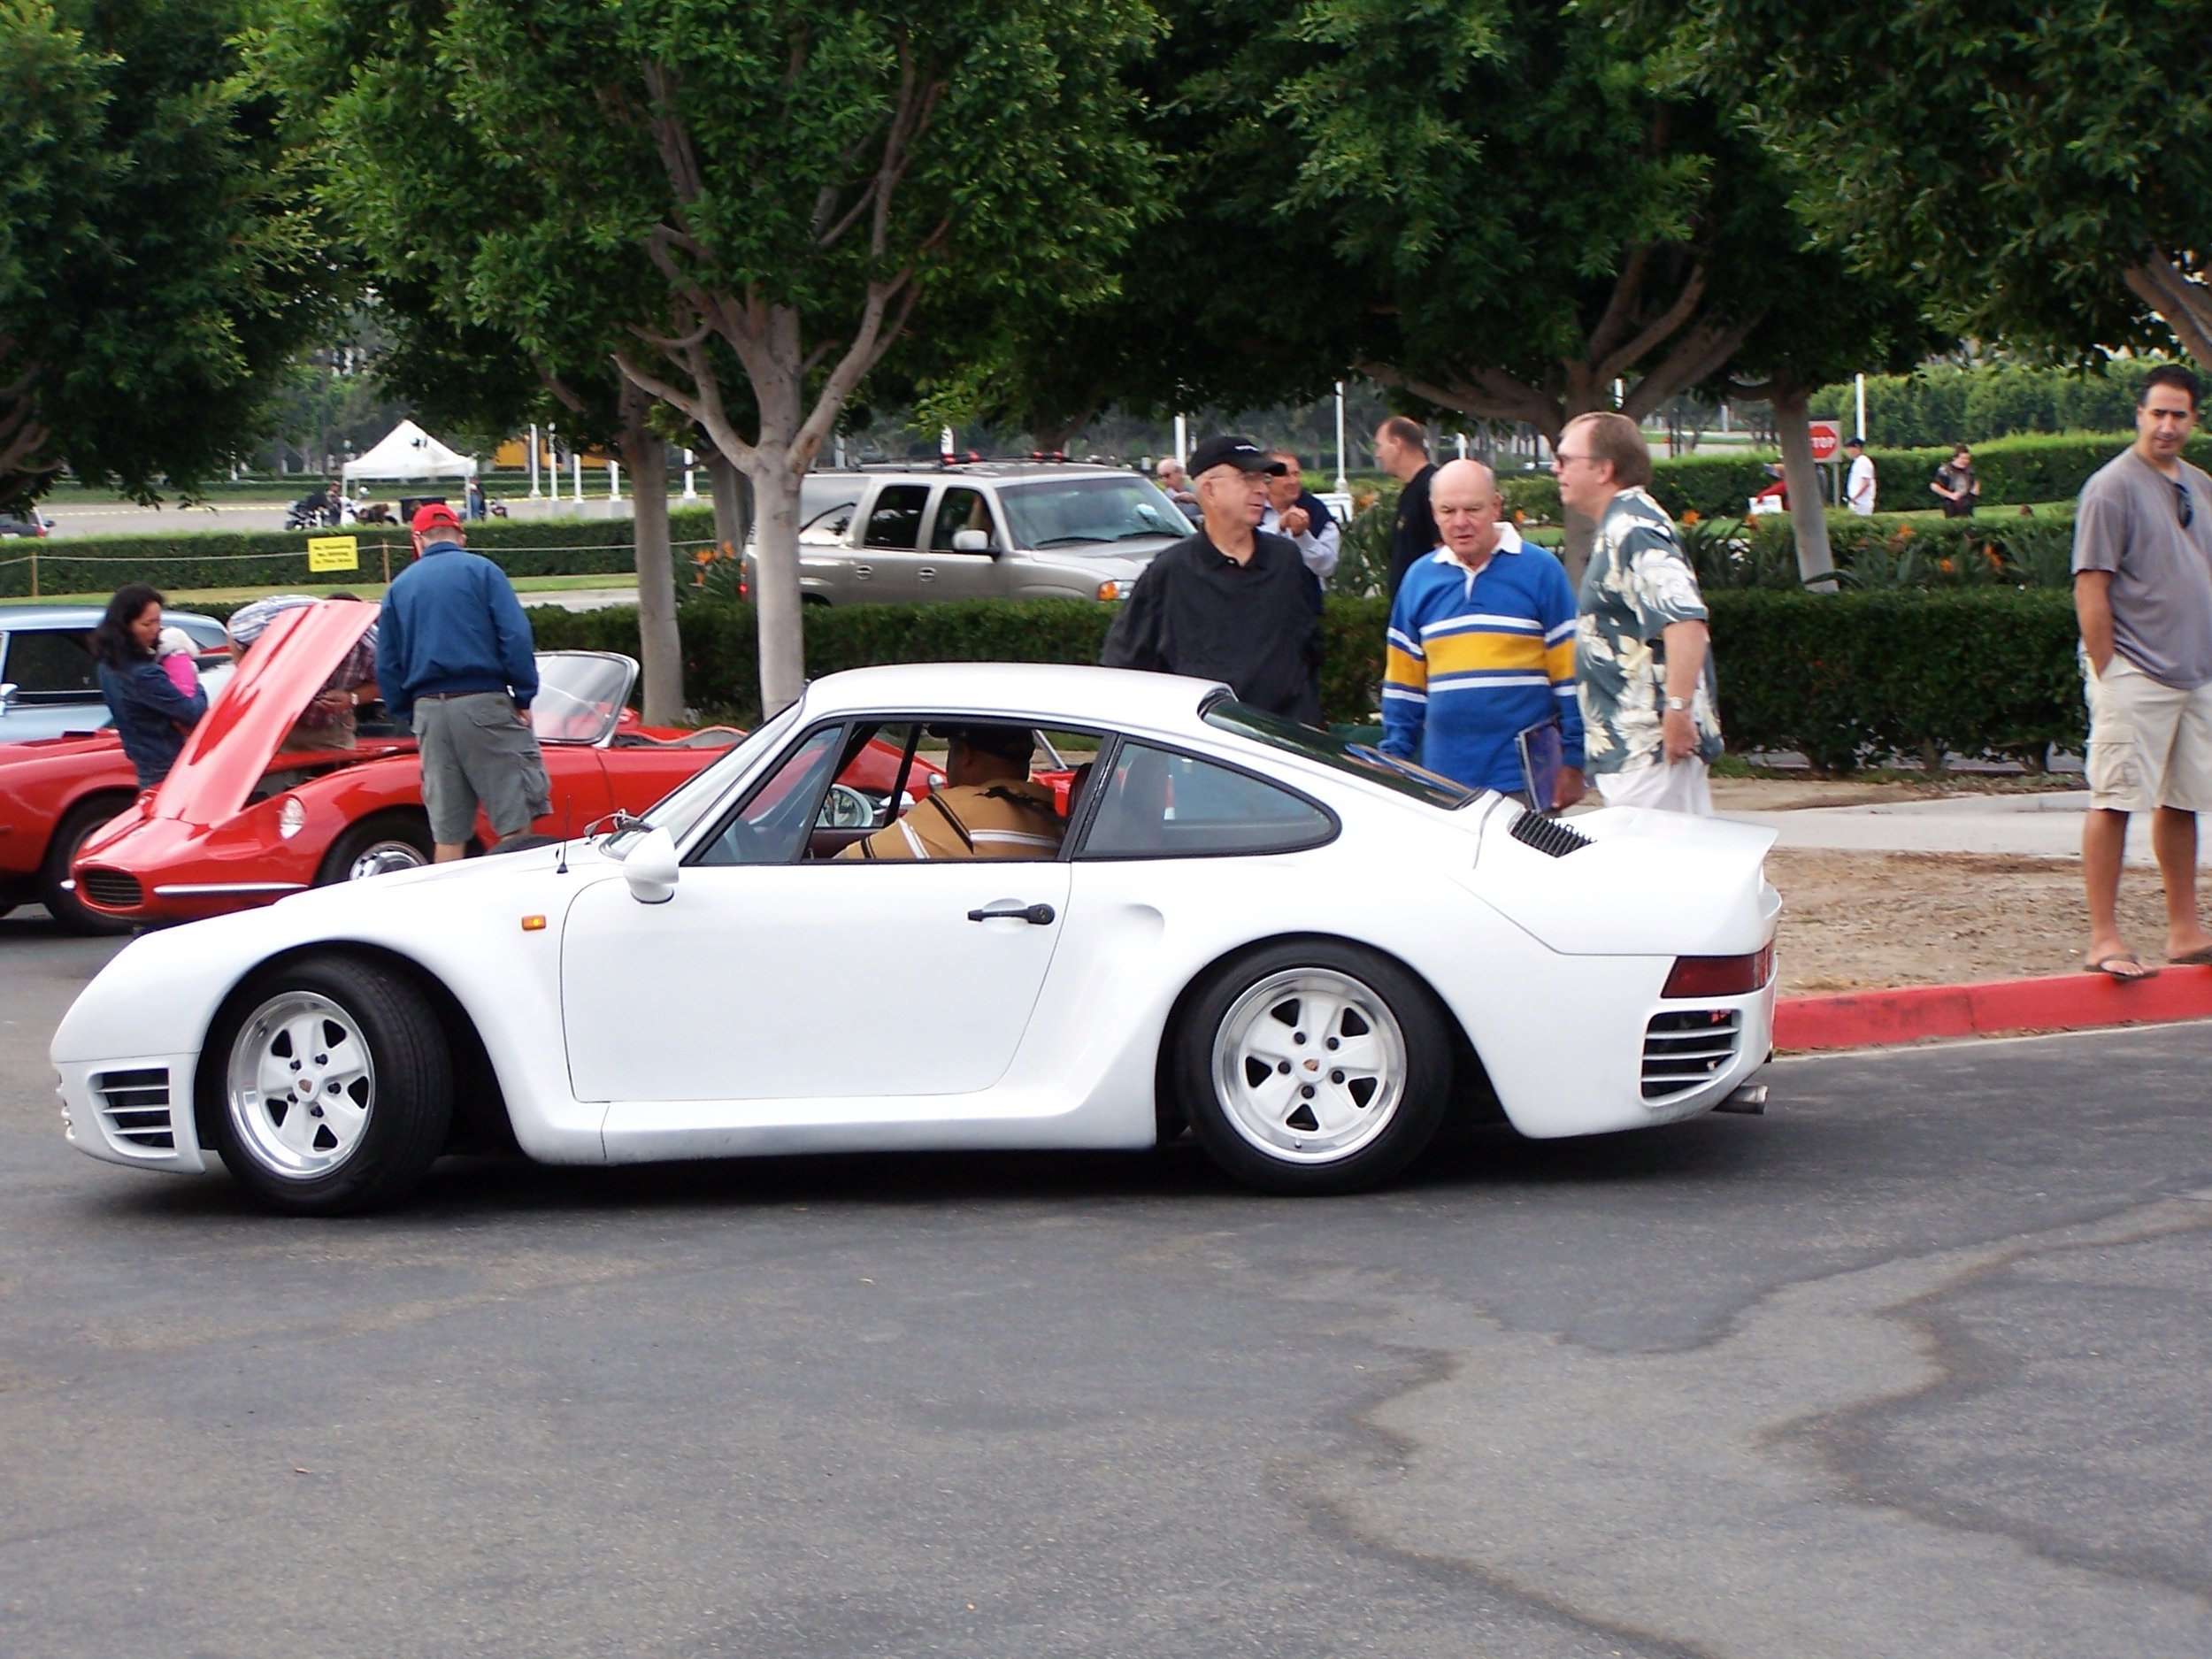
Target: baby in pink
[175,652]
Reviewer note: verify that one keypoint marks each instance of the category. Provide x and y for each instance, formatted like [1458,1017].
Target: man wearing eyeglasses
[2143,593]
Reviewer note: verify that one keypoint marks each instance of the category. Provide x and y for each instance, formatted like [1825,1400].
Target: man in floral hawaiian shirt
[1643,665]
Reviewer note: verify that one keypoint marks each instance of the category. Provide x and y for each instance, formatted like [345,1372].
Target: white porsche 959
[1303,952]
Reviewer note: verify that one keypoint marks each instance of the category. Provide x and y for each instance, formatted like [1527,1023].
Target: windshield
[678,811]
[1362,760]
[580,695]
[1092,512]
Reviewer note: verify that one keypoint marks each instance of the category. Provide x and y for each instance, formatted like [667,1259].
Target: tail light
[1721,976]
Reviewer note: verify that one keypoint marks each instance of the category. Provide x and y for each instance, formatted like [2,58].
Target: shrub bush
[278,559]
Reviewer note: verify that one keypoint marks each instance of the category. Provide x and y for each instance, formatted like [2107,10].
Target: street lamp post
[534,460]
[1343,484]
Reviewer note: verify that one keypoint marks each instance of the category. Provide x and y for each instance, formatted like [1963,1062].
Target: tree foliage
[2041,171]
[159,264]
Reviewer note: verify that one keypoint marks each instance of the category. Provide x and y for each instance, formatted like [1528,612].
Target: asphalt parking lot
[1919,1365]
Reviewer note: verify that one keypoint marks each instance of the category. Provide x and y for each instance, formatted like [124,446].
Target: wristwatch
[1680,705]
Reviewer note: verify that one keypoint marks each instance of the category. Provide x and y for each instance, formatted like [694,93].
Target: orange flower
[1945,566]
[701,556]
[1519,517]
[1904,530]
[1690,517]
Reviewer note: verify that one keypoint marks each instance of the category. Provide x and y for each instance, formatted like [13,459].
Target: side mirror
[650,868]
[7,695]
[971,540]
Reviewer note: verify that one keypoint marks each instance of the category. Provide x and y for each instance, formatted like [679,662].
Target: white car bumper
[135,1111]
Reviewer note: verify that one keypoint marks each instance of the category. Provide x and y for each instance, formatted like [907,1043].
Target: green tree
[159,264]
[2043,171]
[756,194]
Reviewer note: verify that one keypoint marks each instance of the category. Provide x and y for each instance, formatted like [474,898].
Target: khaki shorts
[474,750]
[2149,744]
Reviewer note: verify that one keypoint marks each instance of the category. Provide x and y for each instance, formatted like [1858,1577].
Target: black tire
[381,1141]
[1262,1027]
[396,830]
[62,903]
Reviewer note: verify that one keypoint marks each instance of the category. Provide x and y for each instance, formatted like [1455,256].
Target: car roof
[1002,472]
[15,618]
[1120,699]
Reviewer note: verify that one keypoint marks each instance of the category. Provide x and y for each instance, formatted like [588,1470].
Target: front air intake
[110,889]
[134,1108]
[1548,835]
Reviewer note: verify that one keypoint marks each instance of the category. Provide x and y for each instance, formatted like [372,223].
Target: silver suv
[979,530]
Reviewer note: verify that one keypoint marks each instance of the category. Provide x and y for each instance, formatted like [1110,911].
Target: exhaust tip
[1751,1100]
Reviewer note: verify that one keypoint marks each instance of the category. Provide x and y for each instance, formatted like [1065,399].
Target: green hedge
[534,547]
[1846,678]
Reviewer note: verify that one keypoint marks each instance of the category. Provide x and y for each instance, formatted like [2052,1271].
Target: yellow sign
[333,553]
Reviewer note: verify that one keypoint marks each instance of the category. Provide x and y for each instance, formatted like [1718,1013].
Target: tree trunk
[1800,474]
[660,644]
[733,502]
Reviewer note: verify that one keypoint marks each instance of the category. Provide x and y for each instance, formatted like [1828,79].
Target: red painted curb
[2070,1002]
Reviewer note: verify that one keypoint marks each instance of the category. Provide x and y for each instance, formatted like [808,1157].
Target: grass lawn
[185,598]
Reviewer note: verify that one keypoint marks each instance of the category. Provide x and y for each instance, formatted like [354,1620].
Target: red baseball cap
[434,515]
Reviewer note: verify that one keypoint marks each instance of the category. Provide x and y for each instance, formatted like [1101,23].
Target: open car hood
[232,746]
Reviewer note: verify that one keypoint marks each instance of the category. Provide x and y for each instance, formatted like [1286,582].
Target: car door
[772,975]
[886,567]
[55,685]
[951,572]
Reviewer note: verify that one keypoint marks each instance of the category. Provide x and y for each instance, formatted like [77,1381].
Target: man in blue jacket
[454,655]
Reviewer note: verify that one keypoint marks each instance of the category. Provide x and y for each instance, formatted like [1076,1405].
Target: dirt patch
[1790,794]
[1852,920]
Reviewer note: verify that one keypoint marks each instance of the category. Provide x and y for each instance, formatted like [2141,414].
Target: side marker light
[534,924]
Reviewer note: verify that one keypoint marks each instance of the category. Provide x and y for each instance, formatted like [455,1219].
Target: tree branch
[1628,289]
[1665,324]
[1698,356]
[2183,304]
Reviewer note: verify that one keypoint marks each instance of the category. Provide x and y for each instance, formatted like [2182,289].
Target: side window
[51,667]
[959,510]
[1156,804]
[773,825]
[896,520]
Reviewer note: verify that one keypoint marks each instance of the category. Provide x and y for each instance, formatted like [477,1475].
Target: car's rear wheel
[1313,1067]
[377,846]
[55,891]
[332,1086]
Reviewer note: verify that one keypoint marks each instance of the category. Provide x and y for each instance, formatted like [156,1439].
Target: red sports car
[239,821]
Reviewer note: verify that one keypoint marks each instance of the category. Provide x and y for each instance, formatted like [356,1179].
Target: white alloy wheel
[381,857]
[301,1086]
[1309,1066]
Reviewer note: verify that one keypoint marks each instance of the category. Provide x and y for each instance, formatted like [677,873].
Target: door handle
[862,572]
[927,573]
[1035,915]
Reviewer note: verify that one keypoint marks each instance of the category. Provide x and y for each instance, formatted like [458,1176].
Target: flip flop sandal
[2111,966]
[2199,958]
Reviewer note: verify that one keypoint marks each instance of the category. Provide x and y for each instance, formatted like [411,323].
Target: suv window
[896,520]
[51,667]
[826,501]
[959,510]
[1158,804]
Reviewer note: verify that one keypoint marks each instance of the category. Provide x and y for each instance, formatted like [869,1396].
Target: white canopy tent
[408,452]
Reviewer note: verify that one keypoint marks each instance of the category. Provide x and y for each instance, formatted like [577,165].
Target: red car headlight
[291,816]
[1721,976]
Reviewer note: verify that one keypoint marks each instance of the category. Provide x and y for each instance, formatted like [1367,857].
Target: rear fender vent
[134,1108]
[1548,835]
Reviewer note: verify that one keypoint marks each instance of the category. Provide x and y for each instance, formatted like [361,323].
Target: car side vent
[1548,835]
[135,1110]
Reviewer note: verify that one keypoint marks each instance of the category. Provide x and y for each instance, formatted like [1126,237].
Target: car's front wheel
[1313,1067]
[57,889]
[332,1086]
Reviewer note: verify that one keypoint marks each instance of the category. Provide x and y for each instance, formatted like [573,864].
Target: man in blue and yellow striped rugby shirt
[1481,647]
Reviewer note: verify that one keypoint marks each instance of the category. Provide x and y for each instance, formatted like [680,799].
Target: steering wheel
[847,807]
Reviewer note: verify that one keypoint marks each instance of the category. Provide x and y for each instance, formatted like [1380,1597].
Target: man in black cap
[1229,603]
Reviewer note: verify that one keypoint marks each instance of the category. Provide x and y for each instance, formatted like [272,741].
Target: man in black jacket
[1230,602]
[1402,450]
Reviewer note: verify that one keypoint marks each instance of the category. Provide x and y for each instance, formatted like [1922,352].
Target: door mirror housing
[971,540]
[650,868]
[7,695]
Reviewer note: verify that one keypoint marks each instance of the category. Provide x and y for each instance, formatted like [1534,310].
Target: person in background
[455,656]
[1402,450]
[1859,482]
[151,715]
[331,719]
[1643,656]
[1295,511]
[474,498]
[1482,648]
[1955,486]
[2143,596]
[987,808]
[1230,602]
[1176,482]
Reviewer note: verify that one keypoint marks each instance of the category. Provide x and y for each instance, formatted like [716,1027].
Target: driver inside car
[987,808]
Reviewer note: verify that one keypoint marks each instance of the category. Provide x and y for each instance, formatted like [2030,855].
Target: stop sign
[1827,436]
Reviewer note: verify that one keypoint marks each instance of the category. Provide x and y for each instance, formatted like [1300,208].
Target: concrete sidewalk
[2041,825]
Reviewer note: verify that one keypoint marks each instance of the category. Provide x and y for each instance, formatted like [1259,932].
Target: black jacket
[1196,612]
[1413,533]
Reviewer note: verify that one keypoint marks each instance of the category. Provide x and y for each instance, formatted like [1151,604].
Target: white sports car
[1306,953]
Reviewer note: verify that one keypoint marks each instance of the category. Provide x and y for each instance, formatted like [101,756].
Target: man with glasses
[1643,665]
[2143,593]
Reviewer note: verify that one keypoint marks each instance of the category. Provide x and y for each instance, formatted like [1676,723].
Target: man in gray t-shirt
[2143,593]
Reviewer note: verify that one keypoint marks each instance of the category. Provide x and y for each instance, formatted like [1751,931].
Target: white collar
[1509,541]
